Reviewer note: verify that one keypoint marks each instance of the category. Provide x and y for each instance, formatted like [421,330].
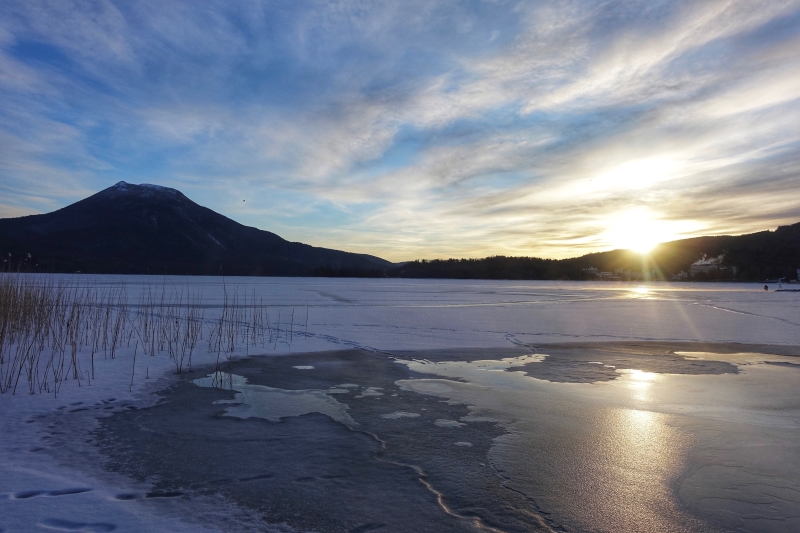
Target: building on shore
[712,269]
[705,265]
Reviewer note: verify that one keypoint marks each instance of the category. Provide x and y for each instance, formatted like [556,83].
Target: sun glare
[640,231]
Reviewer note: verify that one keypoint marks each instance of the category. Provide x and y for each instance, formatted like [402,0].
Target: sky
[414,129]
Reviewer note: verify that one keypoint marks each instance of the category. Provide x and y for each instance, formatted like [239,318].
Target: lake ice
[615,447]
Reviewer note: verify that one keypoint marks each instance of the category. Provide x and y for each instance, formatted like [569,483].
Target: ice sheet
[373,315]
[609,455]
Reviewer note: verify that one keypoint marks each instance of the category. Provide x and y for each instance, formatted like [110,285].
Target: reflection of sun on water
[643,444]
[598,455]
[641,375]
[639,382]
[641,429]
[639,457]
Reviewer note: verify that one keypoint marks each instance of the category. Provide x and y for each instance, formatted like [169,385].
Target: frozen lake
[425,314]
[425,405]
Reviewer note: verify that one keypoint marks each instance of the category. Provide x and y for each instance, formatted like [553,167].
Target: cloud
[412,129]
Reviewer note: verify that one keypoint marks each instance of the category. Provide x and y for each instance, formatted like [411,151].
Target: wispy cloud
[412,129]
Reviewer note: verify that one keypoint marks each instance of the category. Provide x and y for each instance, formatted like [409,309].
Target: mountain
[138,229]
[757,256]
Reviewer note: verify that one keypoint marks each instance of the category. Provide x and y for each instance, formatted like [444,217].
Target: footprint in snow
[60,492]
[163,494]
[365,528]
[67,525]
[66,492]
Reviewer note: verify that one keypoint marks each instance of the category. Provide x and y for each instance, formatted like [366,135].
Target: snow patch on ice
[269,403]
[370,391]
[400,414]
[446,423]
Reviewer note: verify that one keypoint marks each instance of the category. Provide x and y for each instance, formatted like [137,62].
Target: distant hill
[138,229]
[757,256]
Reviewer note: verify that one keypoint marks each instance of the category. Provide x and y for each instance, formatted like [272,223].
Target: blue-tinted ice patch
[260,401]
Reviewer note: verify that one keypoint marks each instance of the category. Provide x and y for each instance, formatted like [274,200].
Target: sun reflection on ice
[600,453]
[640,291]
[644,434]
[640,376]
[639,382]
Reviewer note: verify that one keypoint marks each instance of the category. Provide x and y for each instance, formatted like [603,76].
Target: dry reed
[52,329]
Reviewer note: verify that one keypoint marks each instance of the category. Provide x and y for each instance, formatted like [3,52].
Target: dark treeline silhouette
[497,267]
[343,272]
[757,256]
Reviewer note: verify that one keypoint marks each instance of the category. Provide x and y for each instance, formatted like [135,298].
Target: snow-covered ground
[39,493]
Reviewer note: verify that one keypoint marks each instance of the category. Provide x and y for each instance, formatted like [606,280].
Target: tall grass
[52,330]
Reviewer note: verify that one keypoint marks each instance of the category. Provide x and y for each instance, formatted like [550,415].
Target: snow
[38,491]
[259,401]
[156,187]
[446,423]
[123,186]
[400,414]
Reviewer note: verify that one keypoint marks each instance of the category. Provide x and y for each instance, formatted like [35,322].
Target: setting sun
[640,230]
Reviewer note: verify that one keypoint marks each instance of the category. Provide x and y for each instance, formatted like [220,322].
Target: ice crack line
[421,475]
[539,512]
[344,342]
[738,312]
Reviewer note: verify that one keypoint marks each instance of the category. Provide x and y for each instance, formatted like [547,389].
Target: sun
[638,230]
[640,241]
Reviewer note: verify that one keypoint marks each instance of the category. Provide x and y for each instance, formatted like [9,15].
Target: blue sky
[414,129]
